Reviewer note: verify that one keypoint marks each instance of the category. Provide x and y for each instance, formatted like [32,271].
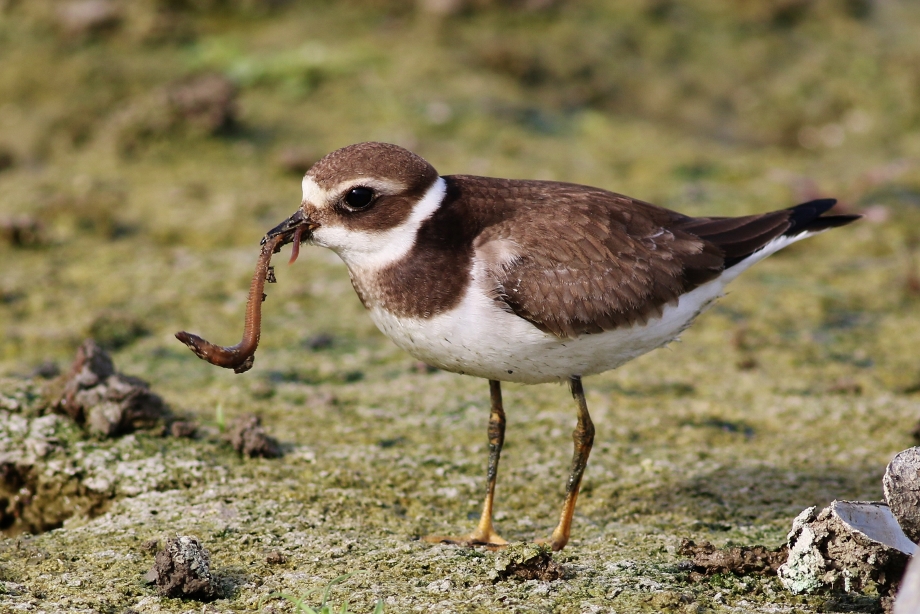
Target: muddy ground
[145,148]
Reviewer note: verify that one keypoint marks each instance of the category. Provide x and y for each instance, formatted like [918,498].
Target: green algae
[794,390]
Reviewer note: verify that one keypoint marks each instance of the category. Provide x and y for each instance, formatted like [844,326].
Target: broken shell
[902,491]
[848,546]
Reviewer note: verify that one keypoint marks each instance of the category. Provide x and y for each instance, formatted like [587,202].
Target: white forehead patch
[368,249]
[312,193]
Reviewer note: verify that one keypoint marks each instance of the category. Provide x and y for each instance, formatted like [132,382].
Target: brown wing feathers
[590,261]
[600,261]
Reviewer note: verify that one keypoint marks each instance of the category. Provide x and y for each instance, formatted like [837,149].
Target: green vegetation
[324,606]
[144,154]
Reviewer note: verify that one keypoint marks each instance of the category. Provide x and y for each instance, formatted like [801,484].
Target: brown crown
[378,160]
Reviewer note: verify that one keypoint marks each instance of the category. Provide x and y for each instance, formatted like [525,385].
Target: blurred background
[147,145]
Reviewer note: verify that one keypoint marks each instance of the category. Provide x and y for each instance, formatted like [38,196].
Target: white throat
[372,250]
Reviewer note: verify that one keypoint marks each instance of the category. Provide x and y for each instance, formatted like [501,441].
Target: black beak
[289,227]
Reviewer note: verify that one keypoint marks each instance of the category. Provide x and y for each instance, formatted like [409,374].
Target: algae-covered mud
[147,146]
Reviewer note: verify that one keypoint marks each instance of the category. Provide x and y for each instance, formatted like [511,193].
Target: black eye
[359,198]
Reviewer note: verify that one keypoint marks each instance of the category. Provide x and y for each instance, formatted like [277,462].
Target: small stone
[183,569]
[250,439]
[902,491]
[183,428]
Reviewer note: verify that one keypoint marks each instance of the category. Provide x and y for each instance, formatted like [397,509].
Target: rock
[902,491]
[250,439]
[183,569]
[707,560]
[850,546]
[109,403]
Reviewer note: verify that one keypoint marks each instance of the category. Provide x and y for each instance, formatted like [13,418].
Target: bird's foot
[477,539]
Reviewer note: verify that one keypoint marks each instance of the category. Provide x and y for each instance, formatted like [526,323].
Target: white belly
[481,339]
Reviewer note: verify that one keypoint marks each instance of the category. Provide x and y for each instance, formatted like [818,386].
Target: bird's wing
[579,261]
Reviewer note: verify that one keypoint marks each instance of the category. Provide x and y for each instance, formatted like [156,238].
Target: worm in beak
[241,356]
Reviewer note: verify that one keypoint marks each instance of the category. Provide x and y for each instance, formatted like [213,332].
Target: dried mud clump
[37,491]
[183,570]
[902,491]
[200,105]
[108,403]
[249,439]
[706,559]
[22,231]
[88,18]
[527,562]
[848,547]
[206,103]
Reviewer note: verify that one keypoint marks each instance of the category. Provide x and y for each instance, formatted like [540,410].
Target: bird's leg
[583,435]
[484,534]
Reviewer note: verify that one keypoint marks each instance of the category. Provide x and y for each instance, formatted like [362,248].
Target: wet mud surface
[146,147]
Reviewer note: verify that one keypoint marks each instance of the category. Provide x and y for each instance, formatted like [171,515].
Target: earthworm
[295,248]
[241,356]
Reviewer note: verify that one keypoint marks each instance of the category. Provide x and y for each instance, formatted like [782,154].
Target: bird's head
[364,202]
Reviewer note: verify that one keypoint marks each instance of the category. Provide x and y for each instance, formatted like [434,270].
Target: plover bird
[524,281]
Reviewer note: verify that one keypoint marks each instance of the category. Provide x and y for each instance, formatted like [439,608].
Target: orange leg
[485,534]
[583,437]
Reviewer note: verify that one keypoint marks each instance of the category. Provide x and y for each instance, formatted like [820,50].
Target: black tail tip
[807,217]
